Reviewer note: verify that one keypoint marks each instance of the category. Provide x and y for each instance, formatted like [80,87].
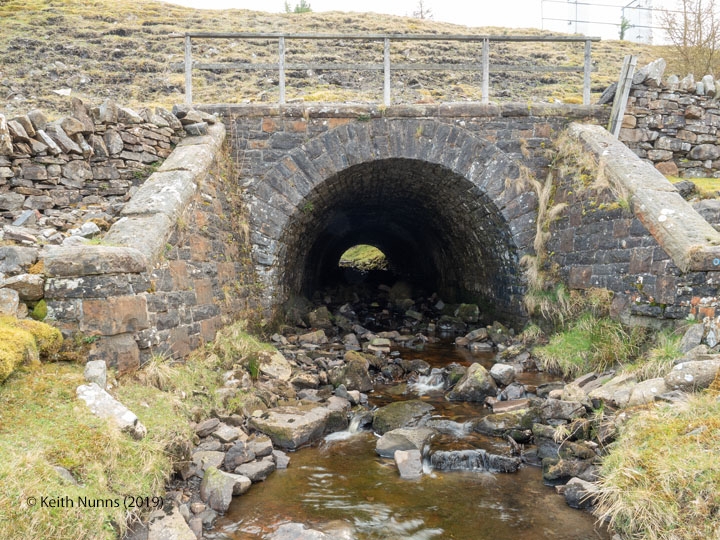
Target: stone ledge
[450,110]
[691,242]
[78,261]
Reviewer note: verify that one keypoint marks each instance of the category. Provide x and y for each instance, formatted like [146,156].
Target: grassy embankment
[43,425]
[128,50]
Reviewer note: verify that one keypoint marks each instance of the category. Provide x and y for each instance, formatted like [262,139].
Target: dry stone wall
[674,123]
[57,175]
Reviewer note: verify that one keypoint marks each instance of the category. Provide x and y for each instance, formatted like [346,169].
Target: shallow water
[342,487]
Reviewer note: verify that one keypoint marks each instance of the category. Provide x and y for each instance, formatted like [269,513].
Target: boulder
[503,374]
[313,338]
[320,317]
[651,74]
[9,302]
[206,427]
[353,374]
[274,365]
[693,375]
[238,454]
[556,409]
[646,392]
[580,494]
[409,463]
[292,427]
[469,313]
[473,460]
[615,392]
[30,287]
[557,471]
[256,471]
[692,338]
[218,487]
[401,414]
[204,459]
[476,385]
[96,372]
[17,260]
[170,526]
[403,439]
[499,424]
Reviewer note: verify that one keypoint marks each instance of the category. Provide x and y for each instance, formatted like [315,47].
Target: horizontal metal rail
[484,67]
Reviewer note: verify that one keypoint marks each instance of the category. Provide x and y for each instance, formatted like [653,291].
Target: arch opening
[439,231]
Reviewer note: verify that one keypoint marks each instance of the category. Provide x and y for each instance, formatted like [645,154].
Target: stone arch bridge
[439,189]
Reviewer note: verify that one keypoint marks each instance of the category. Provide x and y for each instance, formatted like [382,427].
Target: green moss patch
[25,341]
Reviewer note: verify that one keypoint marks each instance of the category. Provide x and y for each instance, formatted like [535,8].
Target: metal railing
[484,66]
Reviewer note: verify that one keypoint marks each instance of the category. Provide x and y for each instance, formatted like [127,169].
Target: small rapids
[344,489]
[427,384]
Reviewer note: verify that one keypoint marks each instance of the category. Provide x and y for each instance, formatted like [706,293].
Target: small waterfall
[473,460]
[434,382]
[357,422]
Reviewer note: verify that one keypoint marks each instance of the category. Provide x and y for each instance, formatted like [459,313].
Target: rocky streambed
[428,395]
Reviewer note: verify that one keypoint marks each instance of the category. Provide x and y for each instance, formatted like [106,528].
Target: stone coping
[691,242]
[369,111]
[136,241]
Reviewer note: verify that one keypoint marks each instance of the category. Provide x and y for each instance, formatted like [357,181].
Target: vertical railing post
[188,71]
[586,73]
[386,71]
[281,68]
[486,71]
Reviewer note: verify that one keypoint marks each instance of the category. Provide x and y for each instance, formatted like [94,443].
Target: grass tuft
[590,344]
[660,480]
[658,360]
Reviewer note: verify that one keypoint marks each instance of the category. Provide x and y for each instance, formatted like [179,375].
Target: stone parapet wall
[674,124]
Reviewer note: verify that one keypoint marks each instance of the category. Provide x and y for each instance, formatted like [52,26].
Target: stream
[343,488]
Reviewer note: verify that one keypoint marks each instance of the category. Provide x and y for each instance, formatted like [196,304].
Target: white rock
[104,405]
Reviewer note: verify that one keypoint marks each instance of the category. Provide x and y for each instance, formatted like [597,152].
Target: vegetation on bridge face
[124,50]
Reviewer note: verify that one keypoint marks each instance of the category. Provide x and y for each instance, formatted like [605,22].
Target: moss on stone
[39,312]
[24,341]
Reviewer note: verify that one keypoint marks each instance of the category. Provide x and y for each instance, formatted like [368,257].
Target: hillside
[125,50]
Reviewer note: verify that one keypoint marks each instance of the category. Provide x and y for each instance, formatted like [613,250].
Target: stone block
[114,315]
[105,406]
[30,287]
[166,193]
[87,260]
[179,275]
[146,233]
[203,291]
[119,351]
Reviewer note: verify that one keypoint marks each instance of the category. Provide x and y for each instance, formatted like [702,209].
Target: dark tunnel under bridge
[446,207]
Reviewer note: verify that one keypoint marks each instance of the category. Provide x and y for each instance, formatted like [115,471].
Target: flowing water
[343,488]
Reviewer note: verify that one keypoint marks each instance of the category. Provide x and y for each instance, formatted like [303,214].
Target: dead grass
[659,481]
